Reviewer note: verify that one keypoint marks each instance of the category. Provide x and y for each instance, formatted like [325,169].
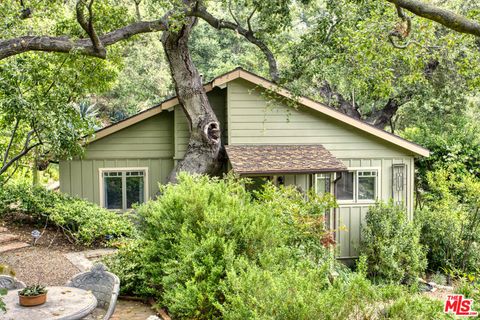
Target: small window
[367,185]
[344,186]
[122,189]
[357,186]
[322,183]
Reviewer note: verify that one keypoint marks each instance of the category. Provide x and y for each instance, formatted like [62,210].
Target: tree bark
[447,18]
[202,155]
[336,100]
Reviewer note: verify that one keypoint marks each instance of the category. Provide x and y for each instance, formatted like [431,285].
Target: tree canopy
[370,59]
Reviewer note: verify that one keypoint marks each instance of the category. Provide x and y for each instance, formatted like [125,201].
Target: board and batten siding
[254,118]
[147,144]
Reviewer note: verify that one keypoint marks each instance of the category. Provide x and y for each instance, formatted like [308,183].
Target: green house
[268,132]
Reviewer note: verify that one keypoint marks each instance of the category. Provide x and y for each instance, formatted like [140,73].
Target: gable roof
[240,73]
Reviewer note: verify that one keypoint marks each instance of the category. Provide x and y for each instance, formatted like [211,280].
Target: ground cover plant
[81,221]
[208,249]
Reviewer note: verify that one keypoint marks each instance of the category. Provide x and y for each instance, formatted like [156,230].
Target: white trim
[355,201]
[122,169]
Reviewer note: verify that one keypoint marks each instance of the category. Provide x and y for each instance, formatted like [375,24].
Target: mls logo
[458,305]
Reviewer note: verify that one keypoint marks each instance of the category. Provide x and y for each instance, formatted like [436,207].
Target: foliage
[470,290]
[39,91]
[33,290]
[391,245]
[453,138]
[439,278]
[416,308]
[210,249]
[80,220]
[450,221]
[130,264]
[191,241]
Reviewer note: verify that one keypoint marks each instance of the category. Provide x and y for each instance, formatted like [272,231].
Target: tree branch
[7,151]
[337,101]
[382,117]
[202,13]
[84,46]
[250,18]
[447,18]
[26,148]
[88,25]
[137,9]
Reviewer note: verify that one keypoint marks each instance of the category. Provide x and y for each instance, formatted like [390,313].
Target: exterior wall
[349,217]
[154,143]
[255,119]
[247,116]
[146,144]
[149,139]
[81,177]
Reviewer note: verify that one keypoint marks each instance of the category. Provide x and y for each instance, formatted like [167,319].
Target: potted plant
[32,295]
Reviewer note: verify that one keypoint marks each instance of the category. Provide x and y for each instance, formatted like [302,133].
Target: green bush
[202,229]
[391,245]
[209,249]
[415,307]
[296,291]
[80,220]
[450,222]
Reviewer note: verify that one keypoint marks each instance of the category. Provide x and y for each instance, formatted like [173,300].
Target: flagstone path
[9,241]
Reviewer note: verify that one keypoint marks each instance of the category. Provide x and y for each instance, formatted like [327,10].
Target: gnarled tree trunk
[202,155]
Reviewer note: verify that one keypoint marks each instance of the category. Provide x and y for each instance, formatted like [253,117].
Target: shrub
[471,290]
[415,307]
[209,249]
[391,245]
[296,291]
[450,222]
[131,266]
[80,220]
[202,229]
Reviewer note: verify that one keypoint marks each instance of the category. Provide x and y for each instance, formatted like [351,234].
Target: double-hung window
[357,186]
[120,189]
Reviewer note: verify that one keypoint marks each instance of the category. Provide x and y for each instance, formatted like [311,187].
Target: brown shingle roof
[272,159]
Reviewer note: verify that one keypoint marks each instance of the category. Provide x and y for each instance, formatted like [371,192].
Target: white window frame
[355,199]
[123,169]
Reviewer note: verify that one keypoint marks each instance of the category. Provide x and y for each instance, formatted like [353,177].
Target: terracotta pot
[32,301]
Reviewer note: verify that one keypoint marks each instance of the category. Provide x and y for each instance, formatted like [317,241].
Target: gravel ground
[39,265]
[44,263]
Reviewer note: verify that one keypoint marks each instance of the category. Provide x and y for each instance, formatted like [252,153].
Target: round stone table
[63,303]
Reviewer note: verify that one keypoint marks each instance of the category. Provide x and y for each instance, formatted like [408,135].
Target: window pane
[367,182]
[135,190]
[344,186]
[113,192]
[323,183]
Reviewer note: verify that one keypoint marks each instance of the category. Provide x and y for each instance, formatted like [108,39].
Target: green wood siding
[81,177]
[149,139]
[255,118]
[349,218]
[147,144]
